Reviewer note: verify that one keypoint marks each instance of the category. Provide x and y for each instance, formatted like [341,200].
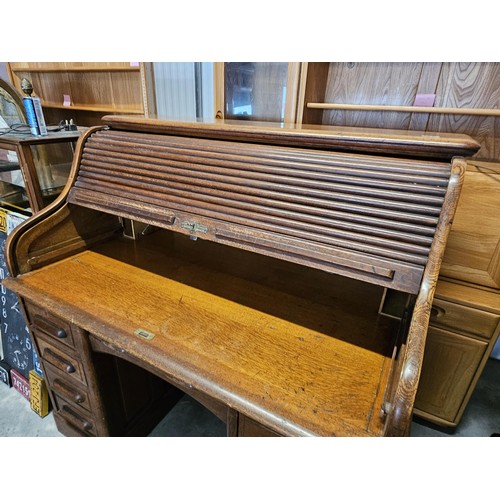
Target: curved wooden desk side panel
[59,229]
[401,407]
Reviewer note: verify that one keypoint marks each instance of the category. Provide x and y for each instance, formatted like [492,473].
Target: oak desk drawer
[465,319]
[61,360]
[43,322]
[69,390]
[78,419]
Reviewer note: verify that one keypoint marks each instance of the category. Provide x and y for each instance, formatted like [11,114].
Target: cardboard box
[39,396]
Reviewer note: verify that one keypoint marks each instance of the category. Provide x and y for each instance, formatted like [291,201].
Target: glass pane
[183,90]
[53,164]
[255,90]
[12,188]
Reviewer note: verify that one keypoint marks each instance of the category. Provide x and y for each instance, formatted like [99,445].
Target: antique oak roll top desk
[281,276]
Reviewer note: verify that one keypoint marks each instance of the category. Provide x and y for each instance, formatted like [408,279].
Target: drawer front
[56,328]
[464,319]
[62,361]
[67,389]
[77,418]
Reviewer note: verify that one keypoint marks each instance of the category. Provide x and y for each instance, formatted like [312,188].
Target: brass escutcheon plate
[144,334]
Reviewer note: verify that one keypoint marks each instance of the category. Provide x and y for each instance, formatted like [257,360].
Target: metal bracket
[144,334]
[194,227]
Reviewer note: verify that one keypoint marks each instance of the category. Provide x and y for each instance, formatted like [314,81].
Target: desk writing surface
[263,351]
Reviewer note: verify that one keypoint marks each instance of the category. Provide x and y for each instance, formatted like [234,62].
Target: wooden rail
[405,109]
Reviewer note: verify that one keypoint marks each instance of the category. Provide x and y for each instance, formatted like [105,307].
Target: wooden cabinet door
[473,248]
[450,363]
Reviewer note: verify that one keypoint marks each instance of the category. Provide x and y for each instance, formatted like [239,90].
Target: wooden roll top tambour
[277,310]
[336,211]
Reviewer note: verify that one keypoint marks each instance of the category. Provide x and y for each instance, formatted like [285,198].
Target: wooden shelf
[94,88]
[95,109]
[86,69]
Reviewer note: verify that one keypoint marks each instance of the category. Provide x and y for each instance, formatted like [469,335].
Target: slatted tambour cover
[363,216]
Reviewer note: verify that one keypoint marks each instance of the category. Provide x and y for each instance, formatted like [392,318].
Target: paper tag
[134,64]
[66,100]
[426,100]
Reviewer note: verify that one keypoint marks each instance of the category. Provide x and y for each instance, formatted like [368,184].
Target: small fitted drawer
[70,390]
[62,361]
[465,319]
[77,418]
[43,322]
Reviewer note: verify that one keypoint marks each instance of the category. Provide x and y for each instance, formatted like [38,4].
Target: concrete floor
[189,419]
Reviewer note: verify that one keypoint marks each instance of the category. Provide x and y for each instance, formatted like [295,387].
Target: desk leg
[232,422]
[248,427]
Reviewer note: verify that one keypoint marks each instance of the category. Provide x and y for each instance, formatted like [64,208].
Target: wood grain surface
[404,143]
[365,213]
[473,250]
[274,356]
[455,85]
[371,83]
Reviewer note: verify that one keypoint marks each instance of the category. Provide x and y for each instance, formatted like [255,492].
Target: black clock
[18,352]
